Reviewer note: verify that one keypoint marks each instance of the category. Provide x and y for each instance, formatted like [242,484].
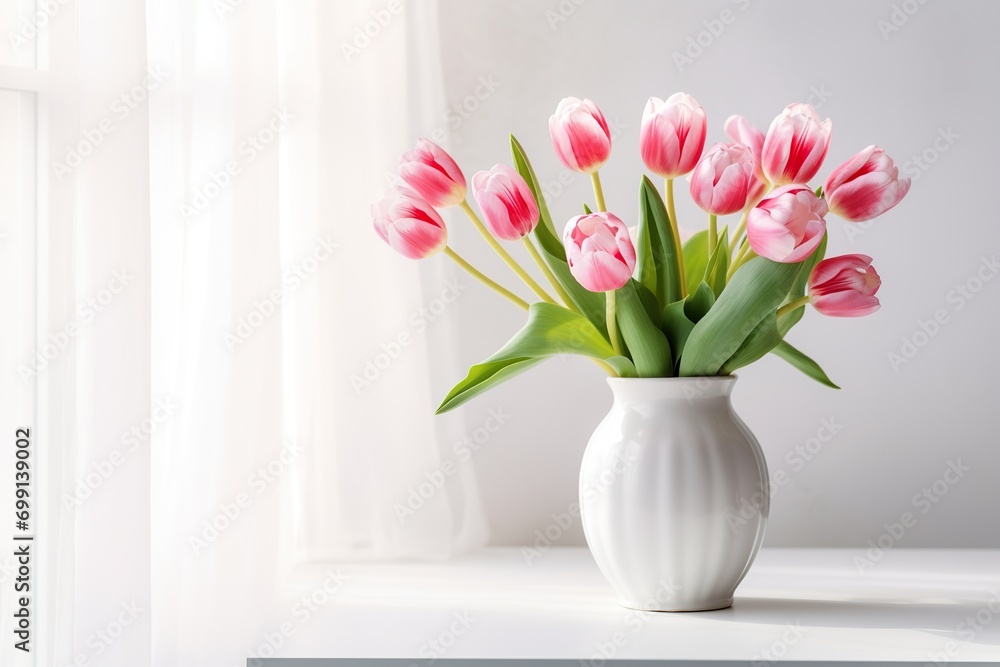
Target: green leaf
[586,209]
[654,222]
[760,341]
[803,363]
[647,344]
[695,260]
[699,302]
[677,326]
[718,265]
[591,304]
[786,322]
[549,330]
[754,293]
[649,303]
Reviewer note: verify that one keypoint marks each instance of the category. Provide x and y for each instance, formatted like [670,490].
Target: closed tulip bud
[795,145]
[787,225]
[599,251]
[409,224]
[866,186]
[506,201]
[672,135]
[433,174]
[845,286]
[580,135]
[723,180]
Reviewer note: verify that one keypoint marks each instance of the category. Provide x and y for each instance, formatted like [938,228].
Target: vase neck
[692,389]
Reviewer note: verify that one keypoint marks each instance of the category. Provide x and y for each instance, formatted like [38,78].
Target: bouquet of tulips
[635,299]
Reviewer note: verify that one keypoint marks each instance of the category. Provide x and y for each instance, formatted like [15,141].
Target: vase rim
[688,378]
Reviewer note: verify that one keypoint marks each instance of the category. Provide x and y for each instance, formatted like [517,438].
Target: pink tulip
[433,174]
[845,286]
[506,202]
[580,135]
[599,251]
[722,181]
[795,145]
[740,129]
[672,135]
[787,225]
[866,186]
[409,224]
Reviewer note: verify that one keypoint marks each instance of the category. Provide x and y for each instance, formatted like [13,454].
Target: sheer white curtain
[259,345]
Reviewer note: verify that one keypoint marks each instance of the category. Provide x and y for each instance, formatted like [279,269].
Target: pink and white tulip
[433,174]
[795,145]
[740,129]
[409,224]
[599,251]
[672,135]
[506,201]
[580,135]
[787,225]
[866,186]
[723,180]
[845,286]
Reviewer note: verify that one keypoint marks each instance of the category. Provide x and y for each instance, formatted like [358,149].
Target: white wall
[897,428]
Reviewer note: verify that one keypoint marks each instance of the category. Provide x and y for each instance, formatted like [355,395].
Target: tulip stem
[672,214]
[742,227]
[794,305]
[533,251]
[481,277]
[745,255]
[505,256]
[713,233]
[595,179]
[612,321]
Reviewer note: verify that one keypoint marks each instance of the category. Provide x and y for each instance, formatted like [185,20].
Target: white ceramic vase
[674,494]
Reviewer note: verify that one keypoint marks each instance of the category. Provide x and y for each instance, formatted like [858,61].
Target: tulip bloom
[506,202]
[845,286]
[722,181]
[409,224]
[866,186]
[795,145]
[787,225]
[580,135]
[740,129]
[672,135]
[433,174]
[599,251]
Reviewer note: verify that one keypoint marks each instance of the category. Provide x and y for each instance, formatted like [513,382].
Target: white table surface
[795,605]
